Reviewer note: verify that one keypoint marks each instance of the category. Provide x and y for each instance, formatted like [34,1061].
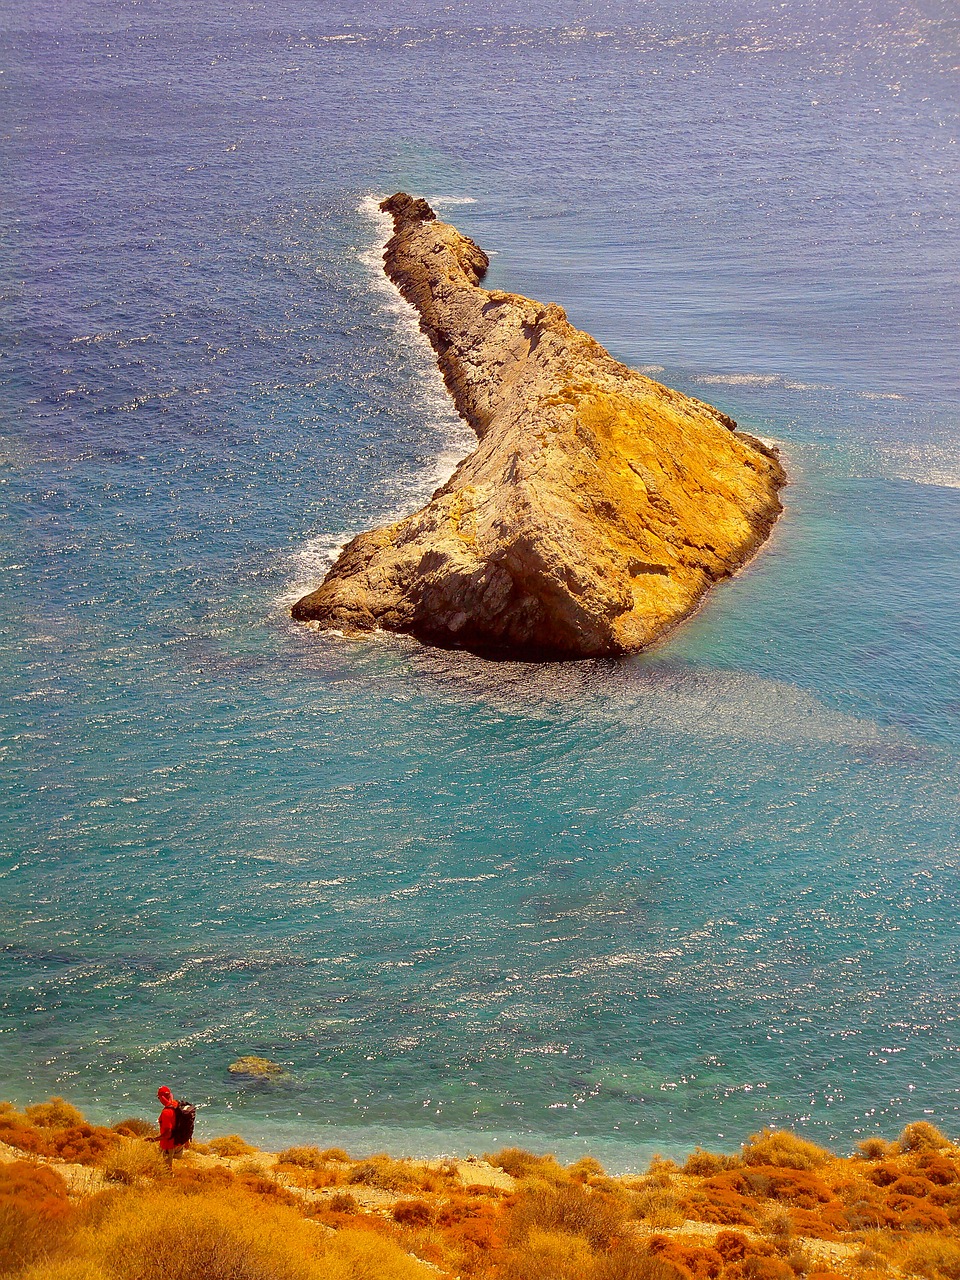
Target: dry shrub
[412,1213]
[133,1161]
[795,1186]
[37,1185]
[292,1176]
[569,1209]
[64,1269]
[264,1187]
[868,1215]
[549,1255]
[392,1175]
[877,1149]
[935,1257]
[784,1149]
[524,1164]
[662,1170]
[731,1245]
[55,1114]
[220,1235]
[658,1207]
[630,1262]
[938,1168]
[814,1208]
[827,1222]
[870,1260]
[473,1229]
[585,1168]
[915,1214]
[778,1225]
[332,1176]
[852,1187]
[884,1174]
[84,1143]
[35,1214]
[363,1255]
[693,1260]
[55,1128]
[922,1136]
[757,1266]
[17,1131]
[230,1145]
[193,1181]
[133,1127]
[305,1157]
[702,1164]
[825,1275]
[342,1202]
[909,1185]
[718,1204]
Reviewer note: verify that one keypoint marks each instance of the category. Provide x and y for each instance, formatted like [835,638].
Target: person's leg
[168,1160]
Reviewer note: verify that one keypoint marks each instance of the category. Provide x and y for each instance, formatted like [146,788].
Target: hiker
[172,1142]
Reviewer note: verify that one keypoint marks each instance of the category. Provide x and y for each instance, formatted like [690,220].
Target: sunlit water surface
[614,906]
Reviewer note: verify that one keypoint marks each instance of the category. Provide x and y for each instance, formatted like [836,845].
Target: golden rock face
[597,509]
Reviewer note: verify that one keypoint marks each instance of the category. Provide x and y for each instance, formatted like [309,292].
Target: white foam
[311,564]
[784,383]
[313,561]
[759,380]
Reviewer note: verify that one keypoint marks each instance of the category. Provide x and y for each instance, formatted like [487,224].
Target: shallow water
[609,906]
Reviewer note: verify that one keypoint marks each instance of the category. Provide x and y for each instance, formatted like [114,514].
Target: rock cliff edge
[597,509]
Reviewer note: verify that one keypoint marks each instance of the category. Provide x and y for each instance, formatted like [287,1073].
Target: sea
[618,907]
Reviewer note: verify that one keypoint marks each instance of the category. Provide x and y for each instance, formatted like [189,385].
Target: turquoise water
[613,906]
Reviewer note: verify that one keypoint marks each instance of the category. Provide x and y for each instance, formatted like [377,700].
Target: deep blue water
[617,906]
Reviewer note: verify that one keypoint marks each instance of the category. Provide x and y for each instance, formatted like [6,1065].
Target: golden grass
[54,1114]
[230,1145]
[702,1164]
[921,1136]
[524,1164]
[163,1234]
[779,1147]
[549,1255]
[133,1161]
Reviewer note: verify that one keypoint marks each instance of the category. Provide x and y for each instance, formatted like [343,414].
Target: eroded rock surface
[597,509]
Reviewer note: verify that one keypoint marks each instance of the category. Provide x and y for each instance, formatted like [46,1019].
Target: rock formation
[597,509]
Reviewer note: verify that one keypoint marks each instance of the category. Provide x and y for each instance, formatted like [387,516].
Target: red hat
[163,1093]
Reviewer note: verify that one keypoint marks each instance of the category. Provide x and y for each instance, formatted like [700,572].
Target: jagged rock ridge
[597,509]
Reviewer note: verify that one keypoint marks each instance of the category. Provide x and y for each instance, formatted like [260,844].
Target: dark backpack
[184,1118]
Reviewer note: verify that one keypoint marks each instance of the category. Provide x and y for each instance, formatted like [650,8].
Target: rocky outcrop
[597,509]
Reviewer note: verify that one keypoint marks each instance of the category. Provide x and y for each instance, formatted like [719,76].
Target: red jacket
[167,1118]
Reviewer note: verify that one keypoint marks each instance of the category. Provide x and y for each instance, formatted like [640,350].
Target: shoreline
[439,1142]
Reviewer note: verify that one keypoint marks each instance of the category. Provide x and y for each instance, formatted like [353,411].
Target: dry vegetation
[83,1202]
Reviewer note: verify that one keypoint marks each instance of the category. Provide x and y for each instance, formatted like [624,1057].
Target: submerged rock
[256,1068]
[597,509]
